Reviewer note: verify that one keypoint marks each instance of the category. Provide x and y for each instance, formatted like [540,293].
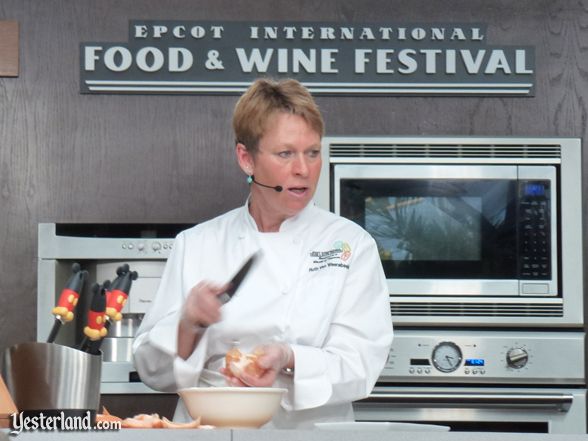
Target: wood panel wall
[67,157]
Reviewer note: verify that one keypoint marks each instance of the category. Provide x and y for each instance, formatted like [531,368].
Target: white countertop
[284,435]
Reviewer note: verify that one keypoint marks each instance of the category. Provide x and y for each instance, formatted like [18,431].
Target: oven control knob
[517,358]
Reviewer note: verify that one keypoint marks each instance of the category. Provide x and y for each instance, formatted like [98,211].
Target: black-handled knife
[238,278]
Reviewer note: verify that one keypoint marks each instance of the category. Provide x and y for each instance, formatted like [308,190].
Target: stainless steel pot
[47,376]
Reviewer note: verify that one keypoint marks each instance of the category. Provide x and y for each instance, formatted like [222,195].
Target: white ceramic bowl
[232,406]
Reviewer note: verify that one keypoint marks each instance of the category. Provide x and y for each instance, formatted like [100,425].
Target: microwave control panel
[535,230]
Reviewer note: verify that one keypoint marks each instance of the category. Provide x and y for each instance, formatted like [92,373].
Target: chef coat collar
[290,225]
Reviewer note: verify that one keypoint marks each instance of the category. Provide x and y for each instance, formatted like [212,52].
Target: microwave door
[448,230]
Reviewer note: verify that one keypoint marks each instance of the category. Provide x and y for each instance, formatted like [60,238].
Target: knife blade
[238,278]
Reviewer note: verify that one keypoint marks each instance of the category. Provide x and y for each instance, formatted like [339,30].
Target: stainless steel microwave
[468,229]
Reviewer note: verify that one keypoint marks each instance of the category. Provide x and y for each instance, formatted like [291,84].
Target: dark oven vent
[476,309]
[449,150]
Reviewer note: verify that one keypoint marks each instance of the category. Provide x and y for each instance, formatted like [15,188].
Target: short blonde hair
[263,99]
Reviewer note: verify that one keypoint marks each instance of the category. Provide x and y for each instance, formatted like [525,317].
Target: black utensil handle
[54,330]
[84,344]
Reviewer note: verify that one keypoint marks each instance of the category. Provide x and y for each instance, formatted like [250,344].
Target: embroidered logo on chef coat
[335,257]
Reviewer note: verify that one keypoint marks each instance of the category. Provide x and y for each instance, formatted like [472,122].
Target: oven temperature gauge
[446,356]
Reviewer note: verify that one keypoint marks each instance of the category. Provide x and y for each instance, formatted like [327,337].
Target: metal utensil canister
[51,378]
[118,344]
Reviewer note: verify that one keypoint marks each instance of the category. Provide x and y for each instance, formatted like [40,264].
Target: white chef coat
[319,286]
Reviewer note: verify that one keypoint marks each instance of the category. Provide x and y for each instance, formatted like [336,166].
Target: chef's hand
[275,357]
[201,309]
[202,306]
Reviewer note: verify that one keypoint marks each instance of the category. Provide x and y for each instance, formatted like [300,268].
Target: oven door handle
[557,402]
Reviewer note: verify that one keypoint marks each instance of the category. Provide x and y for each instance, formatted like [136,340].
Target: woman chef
[316,302]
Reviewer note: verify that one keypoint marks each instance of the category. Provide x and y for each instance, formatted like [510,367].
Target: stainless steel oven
[481,242]
[498,381]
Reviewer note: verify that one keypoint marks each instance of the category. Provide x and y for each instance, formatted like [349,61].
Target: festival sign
[194,57]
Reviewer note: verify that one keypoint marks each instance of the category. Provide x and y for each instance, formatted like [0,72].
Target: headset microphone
[278,188]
